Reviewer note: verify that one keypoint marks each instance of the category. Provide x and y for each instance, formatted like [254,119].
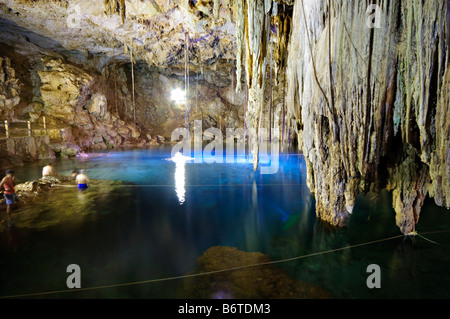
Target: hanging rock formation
[368,88]
[259,24]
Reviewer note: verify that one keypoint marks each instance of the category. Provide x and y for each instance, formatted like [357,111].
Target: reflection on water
[180,181]
[180,175]
[137,230]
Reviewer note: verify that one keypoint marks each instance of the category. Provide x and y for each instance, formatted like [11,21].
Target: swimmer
[10,194]
[82,181]
[49,170]
[74,174]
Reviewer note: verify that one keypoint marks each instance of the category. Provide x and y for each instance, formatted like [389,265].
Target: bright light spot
[179,158]
[179,96]
[180,181]
[180,175]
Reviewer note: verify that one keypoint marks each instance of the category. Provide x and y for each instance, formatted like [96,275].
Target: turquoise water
[164,217]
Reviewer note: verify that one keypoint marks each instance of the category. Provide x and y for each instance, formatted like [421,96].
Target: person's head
[74,173]
[10,172]
[49,164]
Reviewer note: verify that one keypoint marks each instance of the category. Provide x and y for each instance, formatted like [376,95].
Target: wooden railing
[22,128]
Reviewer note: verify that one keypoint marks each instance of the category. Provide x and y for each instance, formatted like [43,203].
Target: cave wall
[96,111]
[97,43]
[211,97]
[371,102]
[71,98]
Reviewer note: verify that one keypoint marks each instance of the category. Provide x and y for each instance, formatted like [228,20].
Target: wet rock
[61,85]
[252,282]
[10,103]
[160,139]
[30,191]
[98,105]
[69,152]
[27,148]
[66,149]
[153,142]
[9,84]
[135,133]
[45,152]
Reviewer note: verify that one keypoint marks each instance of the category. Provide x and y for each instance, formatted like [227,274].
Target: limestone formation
[372,103]
[9,85]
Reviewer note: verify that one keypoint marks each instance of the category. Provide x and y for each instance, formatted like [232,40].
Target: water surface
[164,216]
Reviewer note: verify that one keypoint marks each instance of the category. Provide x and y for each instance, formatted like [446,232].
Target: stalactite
[186,4]
[186,79]
[388,99]
[111,6]
[312,58]
[122,10]
[254,49]
[256,53]
[216,9]
[115,88]
[283,120]
[133,61]
[333,107]
[281,37]
[245,113]
[232,85]
[240,24]
[368,99]
[271,89]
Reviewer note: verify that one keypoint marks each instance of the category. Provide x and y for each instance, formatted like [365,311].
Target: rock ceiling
[153,30]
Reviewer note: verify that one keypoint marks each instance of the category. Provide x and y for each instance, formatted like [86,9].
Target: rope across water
[142,282]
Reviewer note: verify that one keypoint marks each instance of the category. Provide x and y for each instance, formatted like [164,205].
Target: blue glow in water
[172,213]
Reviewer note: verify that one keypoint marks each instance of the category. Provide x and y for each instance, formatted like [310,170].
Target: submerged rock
[246,282]
[54,201]
[29,191]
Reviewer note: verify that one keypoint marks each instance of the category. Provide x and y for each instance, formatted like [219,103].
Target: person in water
[82,181]
[10,194]
[49,171]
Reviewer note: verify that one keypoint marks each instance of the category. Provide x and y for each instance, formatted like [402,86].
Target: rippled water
[165,215]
